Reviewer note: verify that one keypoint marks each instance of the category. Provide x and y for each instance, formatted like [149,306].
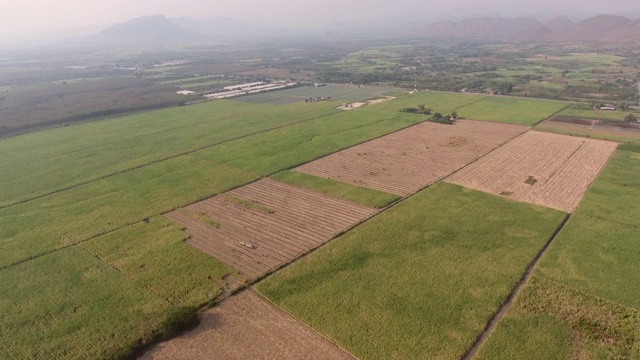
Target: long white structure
[243,86]
[249,88]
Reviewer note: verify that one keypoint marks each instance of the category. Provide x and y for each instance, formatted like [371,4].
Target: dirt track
[247,327]
[300,221]
[540,168]
[408,160]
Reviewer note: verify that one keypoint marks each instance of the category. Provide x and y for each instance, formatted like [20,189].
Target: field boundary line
[203,198]
[49,252]
[524,279]
[284,311]
[469,104]
[564,163]
[597,176]
[250,284]
[189,152]
[553,115]
[383,135]
[473,161]
[354,145]
[132,138]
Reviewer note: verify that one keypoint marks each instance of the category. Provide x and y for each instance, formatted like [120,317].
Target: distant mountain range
[155,29]
[601,28]
[224,27]
[159,30]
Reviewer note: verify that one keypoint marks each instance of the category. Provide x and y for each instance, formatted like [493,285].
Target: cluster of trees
[631,118]
[421,109]
[444,119]
[618,90]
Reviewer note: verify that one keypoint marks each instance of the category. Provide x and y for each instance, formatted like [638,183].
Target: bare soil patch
[540,168]
[617,126]
[408,160]
[351,106]
[246,326]
[272,224]
[570,120]
[356,105]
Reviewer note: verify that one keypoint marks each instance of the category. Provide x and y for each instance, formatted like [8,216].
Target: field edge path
[488,330]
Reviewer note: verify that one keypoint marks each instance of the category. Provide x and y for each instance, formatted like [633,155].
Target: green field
[420,280]
[111,294]
[441,102]
[93,271]
[585,287]
[150,254]
[353,193]
[120,173]
[48,161]
[70,305]
[613,196]
[72,216]
[511,110]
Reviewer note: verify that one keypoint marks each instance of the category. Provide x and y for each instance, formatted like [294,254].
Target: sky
[30,16]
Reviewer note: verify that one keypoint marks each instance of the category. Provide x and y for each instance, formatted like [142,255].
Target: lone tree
[629,119]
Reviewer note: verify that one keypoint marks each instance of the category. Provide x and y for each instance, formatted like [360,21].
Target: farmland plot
[408,160]
[591,128]
[539,168]
[582,300]
[248,327]
[261,226]
[511,110]
[419,281]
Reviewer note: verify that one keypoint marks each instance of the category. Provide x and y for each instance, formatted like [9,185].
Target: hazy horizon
[32,16]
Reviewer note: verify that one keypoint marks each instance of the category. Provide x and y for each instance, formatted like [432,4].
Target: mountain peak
[603,28]
[147,30]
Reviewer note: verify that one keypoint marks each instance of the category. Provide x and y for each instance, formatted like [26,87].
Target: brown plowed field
[300,221]
[570,120]
[247,327]
[540,168]
[408,160]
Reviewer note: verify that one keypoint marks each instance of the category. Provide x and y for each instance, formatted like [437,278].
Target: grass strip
[199,217]
[251,204]
[353,193]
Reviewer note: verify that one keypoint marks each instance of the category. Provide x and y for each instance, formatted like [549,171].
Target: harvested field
[408,160]
[264,225]
[248,327]
[540,168]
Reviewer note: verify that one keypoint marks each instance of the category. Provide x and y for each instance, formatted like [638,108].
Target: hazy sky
[17,16]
